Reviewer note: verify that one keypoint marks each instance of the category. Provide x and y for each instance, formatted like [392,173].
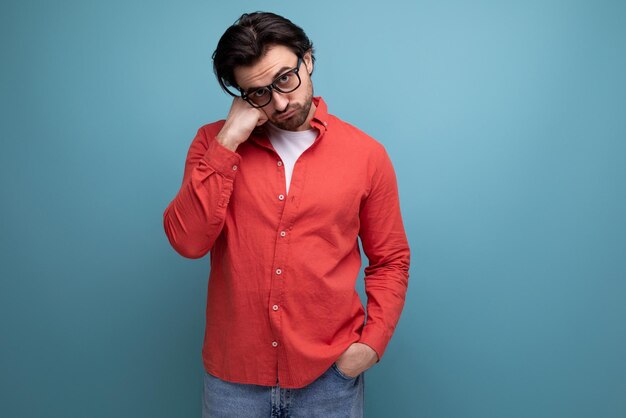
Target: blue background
[506,123]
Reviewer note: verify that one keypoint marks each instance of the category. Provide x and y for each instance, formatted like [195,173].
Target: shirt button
[281,197]
[283,233]
[275,307]
[280,163]
[278,271]
[234,167]
[274,344]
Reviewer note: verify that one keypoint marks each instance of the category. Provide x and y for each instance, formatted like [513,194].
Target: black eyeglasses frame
[245,95]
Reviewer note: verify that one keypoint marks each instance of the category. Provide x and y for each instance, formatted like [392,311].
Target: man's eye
[284,78]
[259,92]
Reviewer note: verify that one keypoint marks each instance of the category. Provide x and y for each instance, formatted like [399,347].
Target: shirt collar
[320,117]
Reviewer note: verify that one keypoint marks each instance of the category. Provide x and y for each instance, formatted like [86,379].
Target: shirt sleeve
[385,245]
[195,218]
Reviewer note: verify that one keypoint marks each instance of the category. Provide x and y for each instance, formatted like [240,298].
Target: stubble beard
[299,117]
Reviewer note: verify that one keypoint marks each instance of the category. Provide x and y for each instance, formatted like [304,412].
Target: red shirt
[281,302]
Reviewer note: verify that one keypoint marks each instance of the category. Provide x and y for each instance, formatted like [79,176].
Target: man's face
[289,111]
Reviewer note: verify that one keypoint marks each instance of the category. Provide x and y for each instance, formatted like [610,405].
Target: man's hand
[240,122]
[356,359]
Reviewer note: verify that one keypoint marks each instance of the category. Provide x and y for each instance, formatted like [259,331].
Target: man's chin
[291,124]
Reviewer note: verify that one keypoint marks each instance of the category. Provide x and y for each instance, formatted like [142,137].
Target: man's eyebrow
[276,75]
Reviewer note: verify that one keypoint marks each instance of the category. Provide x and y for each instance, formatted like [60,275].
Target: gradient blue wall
[506,122]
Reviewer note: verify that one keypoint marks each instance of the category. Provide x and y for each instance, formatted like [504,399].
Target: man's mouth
[286,115]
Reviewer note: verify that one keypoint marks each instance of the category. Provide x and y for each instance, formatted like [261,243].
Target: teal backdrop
[506,123]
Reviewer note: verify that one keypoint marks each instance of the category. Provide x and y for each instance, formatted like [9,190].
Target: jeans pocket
[340,373]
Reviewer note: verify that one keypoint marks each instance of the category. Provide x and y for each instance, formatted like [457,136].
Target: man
[279,193]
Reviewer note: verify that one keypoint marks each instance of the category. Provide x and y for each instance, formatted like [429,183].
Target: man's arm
[386,277]
[386,247]
[196,216]
[194,219]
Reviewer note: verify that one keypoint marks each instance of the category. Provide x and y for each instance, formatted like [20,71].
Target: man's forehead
[275,61]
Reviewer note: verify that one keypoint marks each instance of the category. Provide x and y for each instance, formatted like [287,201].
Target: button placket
[280,276]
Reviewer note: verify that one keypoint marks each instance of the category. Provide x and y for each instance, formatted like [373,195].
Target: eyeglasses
[284,83]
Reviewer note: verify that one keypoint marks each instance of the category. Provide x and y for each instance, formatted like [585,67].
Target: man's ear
[308,61]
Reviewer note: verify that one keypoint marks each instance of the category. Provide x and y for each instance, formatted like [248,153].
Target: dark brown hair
[247,40]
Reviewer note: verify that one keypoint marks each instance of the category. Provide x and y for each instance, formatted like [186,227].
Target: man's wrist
[226,142]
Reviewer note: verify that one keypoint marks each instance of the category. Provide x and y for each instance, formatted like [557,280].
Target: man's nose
[280,101]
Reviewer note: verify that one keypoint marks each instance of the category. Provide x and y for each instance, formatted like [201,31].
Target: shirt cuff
[221,159]
[376,339]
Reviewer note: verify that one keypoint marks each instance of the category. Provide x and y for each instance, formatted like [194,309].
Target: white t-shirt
[290,145]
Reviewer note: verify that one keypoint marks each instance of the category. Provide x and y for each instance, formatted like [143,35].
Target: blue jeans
[332,395]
